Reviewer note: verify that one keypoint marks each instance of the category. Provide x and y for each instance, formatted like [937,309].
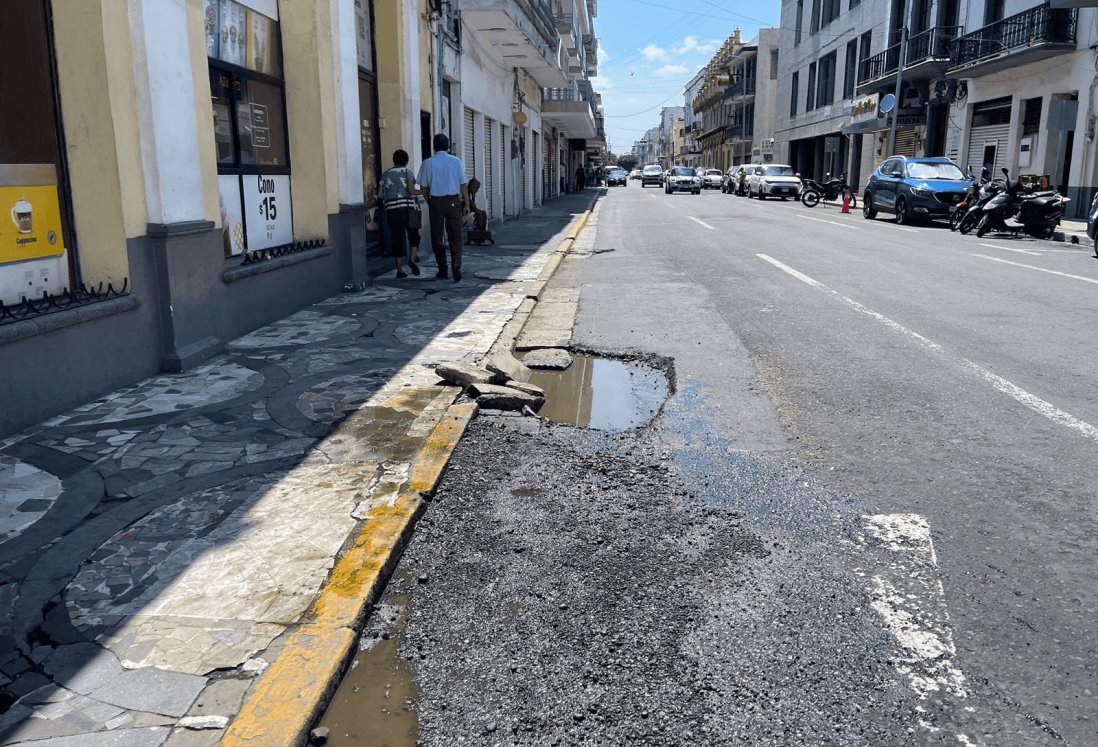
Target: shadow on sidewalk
[175,529]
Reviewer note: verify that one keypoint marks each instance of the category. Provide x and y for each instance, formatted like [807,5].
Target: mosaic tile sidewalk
[156,544]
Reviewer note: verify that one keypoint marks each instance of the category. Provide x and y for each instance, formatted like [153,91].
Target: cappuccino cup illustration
[21,216]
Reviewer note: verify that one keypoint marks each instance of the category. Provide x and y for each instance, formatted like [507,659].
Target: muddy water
[602,393]
[374,704]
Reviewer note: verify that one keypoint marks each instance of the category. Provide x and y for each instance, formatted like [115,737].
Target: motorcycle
[831,190]
[975,211]
[1035,214]
[972,194]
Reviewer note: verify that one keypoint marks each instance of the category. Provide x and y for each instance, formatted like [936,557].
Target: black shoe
[457,275]
[413,267]
[402,275]
[441,275]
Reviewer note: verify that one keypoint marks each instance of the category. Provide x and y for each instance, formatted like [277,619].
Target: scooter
[972,194]
[812,192]
[1035,214]
[975,211]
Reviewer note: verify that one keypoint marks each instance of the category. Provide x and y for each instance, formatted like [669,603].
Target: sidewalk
[160,546]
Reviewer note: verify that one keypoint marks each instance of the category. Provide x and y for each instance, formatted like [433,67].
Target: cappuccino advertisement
[30,224]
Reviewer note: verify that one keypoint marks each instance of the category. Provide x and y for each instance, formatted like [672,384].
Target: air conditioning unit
[914,98]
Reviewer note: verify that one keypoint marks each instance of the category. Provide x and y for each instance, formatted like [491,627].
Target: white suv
[773,180]
[652,174]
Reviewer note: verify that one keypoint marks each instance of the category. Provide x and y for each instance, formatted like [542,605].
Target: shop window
[37,253]
[370,140]
[250,133]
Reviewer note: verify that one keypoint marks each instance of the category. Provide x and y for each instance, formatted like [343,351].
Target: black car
[915,188]
[616,177]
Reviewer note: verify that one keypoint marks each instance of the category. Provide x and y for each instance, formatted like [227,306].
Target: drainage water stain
[602,393]
[374,704]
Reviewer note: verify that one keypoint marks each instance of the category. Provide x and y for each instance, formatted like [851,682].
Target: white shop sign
[268,216]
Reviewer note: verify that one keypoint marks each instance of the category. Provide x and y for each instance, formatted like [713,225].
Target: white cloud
[652,53]
[691,45]
[603,55]
[668,71]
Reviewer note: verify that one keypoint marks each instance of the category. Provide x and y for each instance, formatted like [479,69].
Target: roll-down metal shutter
[905,143]
[469,154]
[506,164]
[985,137]
[489,158]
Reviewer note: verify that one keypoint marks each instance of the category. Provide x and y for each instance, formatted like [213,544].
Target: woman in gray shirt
[402,213]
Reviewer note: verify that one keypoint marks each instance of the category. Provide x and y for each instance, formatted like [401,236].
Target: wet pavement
[156,545]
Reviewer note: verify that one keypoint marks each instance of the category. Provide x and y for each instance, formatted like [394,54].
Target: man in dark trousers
[581,177]
[442,176]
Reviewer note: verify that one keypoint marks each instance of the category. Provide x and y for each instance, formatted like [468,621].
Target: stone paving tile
[224,496]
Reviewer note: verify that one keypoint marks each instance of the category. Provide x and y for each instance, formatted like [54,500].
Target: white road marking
[832,222]
[906,590]
[1011,249]
[909,230]
[1038,405]
[1038,269]
[701,223]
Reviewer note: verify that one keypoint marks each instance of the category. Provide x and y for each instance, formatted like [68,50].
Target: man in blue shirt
[442,176]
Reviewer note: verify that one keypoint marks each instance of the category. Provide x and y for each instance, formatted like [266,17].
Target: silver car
[712,179]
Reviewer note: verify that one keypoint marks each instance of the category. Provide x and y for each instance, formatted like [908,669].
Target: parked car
[773,180]
[728,180]
[683,179]
[915,188]
[615,177]
[1092,223]
[652,174]
[740,175]
[635,173]
[711,179]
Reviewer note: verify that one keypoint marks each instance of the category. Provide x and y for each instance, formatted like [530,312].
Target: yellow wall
[99,118]
[310,113]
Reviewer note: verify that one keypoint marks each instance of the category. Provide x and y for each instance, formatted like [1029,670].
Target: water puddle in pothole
[602,393]
[375,702]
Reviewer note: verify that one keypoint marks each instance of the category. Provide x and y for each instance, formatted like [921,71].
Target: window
[800,23]
[814,24]
[773,64]
[825,86]
[249,109]
[994,11]
[850,73]
[810,104]
[830,12]
[793,86]
[854,4]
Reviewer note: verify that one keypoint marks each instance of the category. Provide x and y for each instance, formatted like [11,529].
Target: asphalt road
[864,516]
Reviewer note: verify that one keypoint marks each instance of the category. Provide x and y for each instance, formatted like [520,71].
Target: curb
[292,693]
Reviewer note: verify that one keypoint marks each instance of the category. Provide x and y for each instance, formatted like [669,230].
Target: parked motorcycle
[972,194]
[1012,211]
[831,190]
[988,191]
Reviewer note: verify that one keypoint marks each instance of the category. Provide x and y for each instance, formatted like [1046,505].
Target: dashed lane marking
[1011,249]
[701,223]
[1038,405]
[1038,269]
[832,222]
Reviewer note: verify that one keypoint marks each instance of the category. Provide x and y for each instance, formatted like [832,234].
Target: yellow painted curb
[291,693]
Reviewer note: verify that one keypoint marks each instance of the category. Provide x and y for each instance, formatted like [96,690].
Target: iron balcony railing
[578,91]
[742,87]
[1033,27]
[741,131]
[926,46]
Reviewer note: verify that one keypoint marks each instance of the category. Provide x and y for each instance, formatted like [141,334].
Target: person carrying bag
[402,214]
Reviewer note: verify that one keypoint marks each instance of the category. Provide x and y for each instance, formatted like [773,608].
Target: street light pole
[899,84]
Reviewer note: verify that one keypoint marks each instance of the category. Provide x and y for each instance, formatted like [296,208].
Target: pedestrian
[403,217]
[442,176]
[581,177]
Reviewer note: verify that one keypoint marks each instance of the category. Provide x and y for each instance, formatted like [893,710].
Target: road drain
[602,393]
[375,701]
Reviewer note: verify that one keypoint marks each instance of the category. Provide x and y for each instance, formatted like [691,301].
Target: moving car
[915,188]
[652,174]
[773,180]
[712,179]
[683,179]
[635,173]
[616,176]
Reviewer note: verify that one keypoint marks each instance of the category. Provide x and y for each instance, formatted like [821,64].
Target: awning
[866,126]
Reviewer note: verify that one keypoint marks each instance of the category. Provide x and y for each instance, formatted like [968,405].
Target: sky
[650,49]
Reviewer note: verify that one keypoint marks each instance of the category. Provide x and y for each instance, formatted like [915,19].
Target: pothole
[602,393]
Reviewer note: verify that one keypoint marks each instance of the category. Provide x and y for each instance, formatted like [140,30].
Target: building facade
[181,172]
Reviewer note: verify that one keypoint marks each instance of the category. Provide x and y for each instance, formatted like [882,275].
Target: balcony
[928,53]
[1028,36]
[742,88]
[739,133]
[519,33]
[571,110]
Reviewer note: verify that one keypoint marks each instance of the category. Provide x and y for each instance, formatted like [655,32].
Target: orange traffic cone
[846,201]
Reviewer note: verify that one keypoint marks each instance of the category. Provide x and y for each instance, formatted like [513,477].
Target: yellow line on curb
[290,694]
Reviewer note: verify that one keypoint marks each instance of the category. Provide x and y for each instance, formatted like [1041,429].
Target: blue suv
[915,188]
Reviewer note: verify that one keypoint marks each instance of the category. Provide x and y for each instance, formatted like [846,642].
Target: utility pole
[899,90]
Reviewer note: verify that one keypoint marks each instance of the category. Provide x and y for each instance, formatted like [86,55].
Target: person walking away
[402,213]
[581,178]
[443,177]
